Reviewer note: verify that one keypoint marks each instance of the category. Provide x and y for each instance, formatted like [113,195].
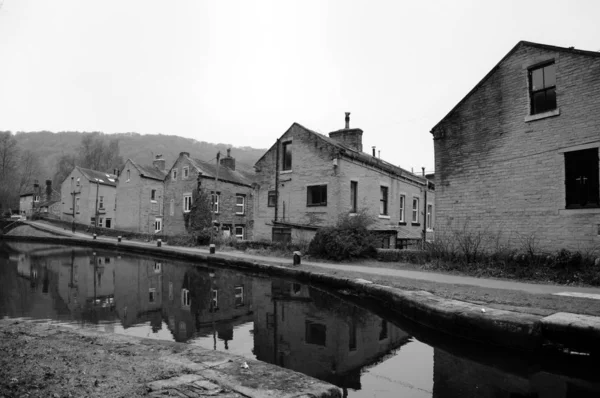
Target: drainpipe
[73,195]
[425,209]
[276,179]
[96,218]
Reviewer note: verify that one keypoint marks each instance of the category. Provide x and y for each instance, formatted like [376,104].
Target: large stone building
[140,193]
[517,159]
[306,181]
[231,193]
[86,194]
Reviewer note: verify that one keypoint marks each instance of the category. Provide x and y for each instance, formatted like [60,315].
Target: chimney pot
[423,170]
[351,138]
[373,151]
[347,120]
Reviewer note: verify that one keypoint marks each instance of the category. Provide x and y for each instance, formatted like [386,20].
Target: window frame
[286,158]
[185,172]
[271,195]
[186,300]
[239,296]
[353,196]
[311,195]
[157,221]
[242,205]
[544,89]
[384,200]
[174,174]
[172,207]
[128,175]
[575,199]
[153,195]
[235,232]
[429,217]
[415,210]
[77,205]
[315,333]
[215,204]
[187,204]
[101,202]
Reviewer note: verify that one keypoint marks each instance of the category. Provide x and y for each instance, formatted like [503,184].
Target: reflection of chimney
[352,138]
[228,161]
[159,162]
[48,189]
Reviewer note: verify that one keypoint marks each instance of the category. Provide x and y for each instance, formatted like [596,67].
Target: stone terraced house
[140,193]
[232,195]
[517,158]
[306,180]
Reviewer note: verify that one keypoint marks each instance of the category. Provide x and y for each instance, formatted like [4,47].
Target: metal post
[96,218]
[214,213]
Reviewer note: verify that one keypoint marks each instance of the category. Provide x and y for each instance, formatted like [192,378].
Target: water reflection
[285,323]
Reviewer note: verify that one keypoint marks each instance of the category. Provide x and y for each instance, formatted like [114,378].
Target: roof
[103,178]
[149,171]
[547,47]
[362,157]
[29,193]
[225,174]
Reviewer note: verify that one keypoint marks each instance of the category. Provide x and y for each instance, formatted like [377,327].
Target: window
[108,223]
[316,195]
[151,294]
[185,298]
[157,225]
[383,201]
[172,207]
[239,296]
[240,204]
[93,221]
[153,194]
[157,267]
[128,175]
[214,302]
[415,210]
[187,202]
[315,333]
[287,156]
[171,291]
[542,88]
[581,179]
[402,207]
[352,336]
[101,202]
[77,181]
[353,191]
[100,219]
[36,198]
[272,199]
[186,172]
[429,215]
[239,232]
[174,174]
[215,199]
[383,332]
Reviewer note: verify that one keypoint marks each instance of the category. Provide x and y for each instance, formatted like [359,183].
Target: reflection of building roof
[225,174]
[149,171]
[102,178]
[29,193]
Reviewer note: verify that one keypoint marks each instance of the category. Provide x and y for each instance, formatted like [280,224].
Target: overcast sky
[241,72]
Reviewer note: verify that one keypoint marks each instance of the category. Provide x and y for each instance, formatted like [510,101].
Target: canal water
[282,322]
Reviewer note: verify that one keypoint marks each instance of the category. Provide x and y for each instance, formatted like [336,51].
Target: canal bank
[55,361]
[511,329]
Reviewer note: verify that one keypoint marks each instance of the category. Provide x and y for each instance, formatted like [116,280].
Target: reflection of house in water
[138,291]
[201,301]
[312,332]
[455,376]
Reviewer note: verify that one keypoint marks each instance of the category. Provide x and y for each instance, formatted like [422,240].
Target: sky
[241,72]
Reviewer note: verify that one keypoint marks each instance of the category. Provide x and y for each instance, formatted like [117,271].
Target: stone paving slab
[575,332]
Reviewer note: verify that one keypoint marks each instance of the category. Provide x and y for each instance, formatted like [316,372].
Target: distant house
[86,194]
[231,195]
[28,202]
[517,158]
[140,195]
[50,202]
[306,180]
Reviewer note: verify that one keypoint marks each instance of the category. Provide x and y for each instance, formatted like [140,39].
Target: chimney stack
[351,138]
[373,151]
[228,161]
[48,189]
[159,162]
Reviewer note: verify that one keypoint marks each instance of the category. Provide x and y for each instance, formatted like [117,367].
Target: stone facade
[140,194]
[78,197]
[501,170]
[321,161]
[233,187]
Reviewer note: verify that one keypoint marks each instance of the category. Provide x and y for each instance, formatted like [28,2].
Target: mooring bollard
[94,236]
[297,258]
[159,243]
[212,248]
[119,238]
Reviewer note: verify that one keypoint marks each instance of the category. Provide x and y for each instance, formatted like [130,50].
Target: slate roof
[103,178]
[149,171]
[365,158]
[571,50]
[225,174]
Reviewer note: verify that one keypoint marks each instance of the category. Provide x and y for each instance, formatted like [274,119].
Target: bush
[348,239]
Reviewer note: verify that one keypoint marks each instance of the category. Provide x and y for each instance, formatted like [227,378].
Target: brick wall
[498,174]
[175,189]
[312,164]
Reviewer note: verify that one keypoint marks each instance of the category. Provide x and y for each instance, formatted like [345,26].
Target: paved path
[380,271]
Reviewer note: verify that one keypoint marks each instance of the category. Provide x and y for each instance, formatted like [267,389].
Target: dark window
[581,179]
[353,191]
[383,333]
[153,194]
[352,335]
[282,234]
[316,195]
[542,88]
[383,201]
[108,223]
[316,333]
[287,156]
[272,199]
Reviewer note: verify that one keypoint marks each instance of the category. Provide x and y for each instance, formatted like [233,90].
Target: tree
[199,220]
[9,157]
[29,170]
[66,163]
[96,154]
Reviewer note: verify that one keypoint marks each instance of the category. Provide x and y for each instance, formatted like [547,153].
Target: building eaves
[493,70]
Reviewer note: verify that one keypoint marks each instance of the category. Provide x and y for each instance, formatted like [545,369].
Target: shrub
[348,239]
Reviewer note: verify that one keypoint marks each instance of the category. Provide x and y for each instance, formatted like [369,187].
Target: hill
[49,146]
